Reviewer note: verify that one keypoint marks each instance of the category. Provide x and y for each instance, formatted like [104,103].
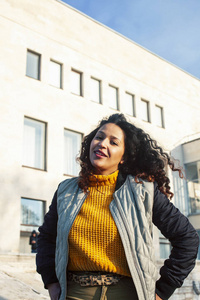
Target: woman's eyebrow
[112,136]
[100,132]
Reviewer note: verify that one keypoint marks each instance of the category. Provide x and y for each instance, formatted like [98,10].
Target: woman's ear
[122,160]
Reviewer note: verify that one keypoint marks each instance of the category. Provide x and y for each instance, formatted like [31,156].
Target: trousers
[124,289]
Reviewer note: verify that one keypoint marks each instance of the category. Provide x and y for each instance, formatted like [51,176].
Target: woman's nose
[103,143]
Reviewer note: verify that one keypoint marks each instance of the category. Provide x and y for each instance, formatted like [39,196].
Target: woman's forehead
[112,129]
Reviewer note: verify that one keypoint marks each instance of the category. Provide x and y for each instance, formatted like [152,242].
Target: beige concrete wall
[98,51]
[195,221]
[58,32]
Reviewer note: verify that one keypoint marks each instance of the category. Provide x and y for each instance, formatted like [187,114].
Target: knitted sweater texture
[94,241]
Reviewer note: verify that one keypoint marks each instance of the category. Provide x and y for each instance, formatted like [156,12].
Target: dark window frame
[133,104]
[117,97]
[61,74]
[44,203]
[82,136]
[45,145]
[148,111]
[38,65]
[100,90]
[80,83]
[161,116]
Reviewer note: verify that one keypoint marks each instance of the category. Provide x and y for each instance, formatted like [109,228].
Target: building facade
[61,72]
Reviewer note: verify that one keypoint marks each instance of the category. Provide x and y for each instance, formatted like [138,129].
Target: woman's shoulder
[139,185]
[148,185]
[70,183]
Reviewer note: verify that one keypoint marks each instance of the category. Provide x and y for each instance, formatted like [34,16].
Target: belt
[93,280]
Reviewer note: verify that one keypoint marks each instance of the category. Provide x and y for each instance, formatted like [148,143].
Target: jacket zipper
[135,262]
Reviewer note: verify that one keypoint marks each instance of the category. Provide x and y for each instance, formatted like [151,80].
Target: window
[113,97]
[129,105]
[193,185]
[72,145]
[95,85]
[34,145]
[165,247]
[32,214]
[33,65]
[193,171]
[76,83]
[159,117]
[145,113]
[55,74]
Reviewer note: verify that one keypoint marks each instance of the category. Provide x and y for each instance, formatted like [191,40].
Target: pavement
[19,279]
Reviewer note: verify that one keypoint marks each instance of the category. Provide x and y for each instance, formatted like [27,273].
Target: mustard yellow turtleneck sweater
[94,241]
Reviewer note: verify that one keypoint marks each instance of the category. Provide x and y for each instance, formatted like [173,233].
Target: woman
[96,240]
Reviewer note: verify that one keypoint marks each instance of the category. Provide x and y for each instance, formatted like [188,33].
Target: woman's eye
[114,143]
[99,137]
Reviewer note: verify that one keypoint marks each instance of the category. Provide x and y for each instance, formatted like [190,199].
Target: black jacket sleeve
[46,245]
[184,240]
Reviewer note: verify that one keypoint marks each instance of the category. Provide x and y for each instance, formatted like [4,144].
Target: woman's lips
[99,153]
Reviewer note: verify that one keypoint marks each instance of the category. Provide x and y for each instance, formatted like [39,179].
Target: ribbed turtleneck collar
[101,180]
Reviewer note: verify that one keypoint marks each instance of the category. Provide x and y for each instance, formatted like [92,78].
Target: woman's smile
[100,154]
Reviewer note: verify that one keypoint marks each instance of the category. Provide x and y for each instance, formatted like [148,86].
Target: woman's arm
[184,240]
[46,245]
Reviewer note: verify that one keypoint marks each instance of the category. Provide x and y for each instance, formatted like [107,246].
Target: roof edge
[128,39]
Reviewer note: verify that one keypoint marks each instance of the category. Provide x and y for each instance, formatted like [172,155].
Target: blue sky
[168,28]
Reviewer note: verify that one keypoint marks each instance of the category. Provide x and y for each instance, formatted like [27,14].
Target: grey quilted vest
[131,209]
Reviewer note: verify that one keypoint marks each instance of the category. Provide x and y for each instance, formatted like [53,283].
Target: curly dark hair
[143,158]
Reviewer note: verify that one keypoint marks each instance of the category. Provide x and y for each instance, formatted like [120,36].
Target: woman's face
[107,149]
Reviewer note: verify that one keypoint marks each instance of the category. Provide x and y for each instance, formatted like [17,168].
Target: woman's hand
[54,290]
[157,297]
